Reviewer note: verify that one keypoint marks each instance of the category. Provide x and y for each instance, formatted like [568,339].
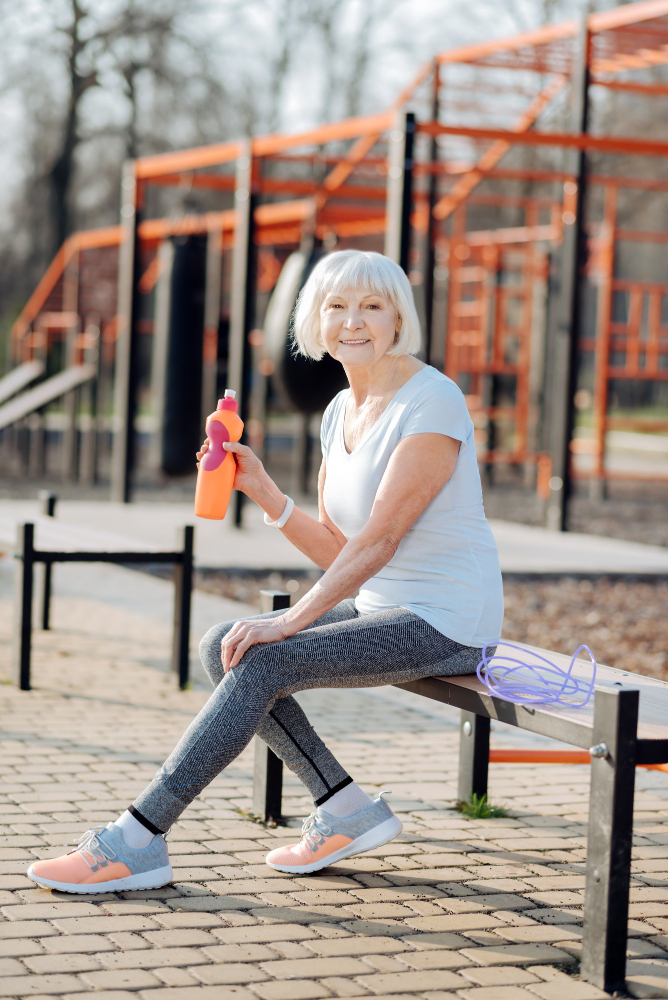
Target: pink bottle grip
[217,433]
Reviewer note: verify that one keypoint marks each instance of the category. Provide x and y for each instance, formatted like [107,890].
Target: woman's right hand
[250,476]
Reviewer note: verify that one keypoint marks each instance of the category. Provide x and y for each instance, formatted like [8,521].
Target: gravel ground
[624,622]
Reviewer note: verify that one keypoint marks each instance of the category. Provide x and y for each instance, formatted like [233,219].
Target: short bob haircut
[361,269]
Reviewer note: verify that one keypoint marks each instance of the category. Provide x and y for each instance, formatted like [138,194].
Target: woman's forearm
[307,534]
[356,563]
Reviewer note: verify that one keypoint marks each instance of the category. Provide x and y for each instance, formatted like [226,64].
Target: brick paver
[486,910]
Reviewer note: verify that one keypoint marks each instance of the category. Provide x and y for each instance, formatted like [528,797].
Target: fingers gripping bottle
[217,467]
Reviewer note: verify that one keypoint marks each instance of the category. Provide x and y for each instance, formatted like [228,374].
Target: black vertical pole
[125,374]
[432,191]
[268,768]
[23,596]
[183,582]
[609,838]
[400,190]
[243,293]
[48,510]
[565,348]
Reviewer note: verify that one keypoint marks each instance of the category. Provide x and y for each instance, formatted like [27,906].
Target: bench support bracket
[609,839]
[473,755]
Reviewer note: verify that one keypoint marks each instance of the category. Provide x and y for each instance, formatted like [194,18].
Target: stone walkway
[480,910]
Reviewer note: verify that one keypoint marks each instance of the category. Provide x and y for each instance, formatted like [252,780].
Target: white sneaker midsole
[144,880]
[369,841]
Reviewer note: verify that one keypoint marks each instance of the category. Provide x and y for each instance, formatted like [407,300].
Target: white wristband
[287,510]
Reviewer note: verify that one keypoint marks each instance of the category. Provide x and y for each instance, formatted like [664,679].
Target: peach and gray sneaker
[103,862]
[327,839]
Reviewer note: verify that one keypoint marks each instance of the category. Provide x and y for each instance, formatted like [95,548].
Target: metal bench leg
[609,838]
[473,755]
[183,579]
[268,768]
[23,595]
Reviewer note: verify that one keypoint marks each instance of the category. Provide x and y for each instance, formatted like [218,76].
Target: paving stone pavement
[480,910]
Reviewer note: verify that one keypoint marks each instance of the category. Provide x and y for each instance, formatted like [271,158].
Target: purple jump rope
[541,683]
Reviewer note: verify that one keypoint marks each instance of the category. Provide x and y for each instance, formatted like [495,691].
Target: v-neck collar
[360,444]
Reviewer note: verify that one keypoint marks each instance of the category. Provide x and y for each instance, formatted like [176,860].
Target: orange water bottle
[217,467]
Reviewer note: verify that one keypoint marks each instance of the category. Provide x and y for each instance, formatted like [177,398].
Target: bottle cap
[228,402]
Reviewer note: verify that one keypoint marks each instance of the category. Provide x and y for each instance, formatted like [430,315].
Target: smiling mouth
[353,342]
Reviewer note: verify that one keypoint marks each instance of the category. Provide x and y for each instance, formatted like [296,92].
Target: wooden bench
[62,542]
[625,725]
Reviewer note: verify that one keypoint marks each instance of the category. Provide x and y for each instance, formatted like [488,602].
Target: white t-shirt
[446,567]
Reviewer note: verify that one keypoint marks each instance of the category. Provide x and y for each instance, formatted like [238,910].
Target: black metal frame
[27,555]
[615,751]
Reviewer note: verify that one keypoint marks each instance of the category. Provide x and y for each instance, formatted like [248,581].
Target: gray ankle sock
[347,802]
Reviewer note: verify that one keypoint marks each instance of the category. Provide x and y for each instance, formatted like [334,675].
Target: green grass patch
[478,807]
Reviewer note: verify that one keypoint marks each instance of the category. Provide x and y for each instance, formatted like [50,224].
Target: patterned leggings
[342,649]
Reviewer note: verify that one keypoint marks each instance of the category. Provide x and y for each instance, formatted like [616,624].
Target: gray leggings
[342,649]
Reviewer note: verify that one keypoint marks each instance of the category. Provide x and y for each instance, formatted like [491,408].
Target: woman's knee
[210,652]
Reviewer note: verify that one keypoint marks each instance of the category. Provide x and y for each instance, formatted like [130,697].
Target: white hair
[360,269]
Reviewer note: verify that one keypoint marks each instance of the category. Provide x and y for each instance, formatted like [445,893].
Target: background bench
[625,725]
[60,542]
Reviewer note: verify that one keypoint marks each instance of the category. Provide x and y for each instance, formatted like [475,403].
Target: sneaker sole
[369,841]
[145,880]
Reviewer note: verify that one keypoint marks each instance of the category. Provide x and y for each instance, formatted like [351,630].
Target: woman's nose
[353,321]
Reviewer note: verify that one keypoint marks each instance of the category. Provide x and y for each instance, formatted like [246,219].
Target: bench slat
[561,722]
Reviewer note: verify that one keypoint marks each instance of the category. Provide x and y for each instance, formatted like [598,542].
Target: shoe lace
[90,846]
[315,831]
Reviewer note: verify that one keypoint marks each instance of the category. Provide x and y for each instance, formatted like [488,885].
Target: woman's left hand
[245,634]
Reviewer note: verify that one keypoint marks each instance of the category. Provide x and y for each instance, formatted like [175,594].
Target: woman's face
[357,327]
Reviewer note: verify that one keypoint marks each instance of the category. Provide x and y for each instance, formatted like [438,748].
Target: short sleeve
[328,424]
[440,408]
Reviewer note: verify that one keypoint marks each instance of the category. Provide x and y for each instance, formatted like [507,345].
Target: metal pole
[432,196]
[400,190]
[71,401]
[243,292]
[609,838]
[565,348]
[268,768]
[597,484]
[23,597]
[183,582]
[125,387]
[163,300]
[48,510]
[214,253]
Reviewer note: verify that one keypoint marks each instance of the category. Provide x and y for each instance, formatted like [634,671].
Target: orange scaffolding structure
[478,179]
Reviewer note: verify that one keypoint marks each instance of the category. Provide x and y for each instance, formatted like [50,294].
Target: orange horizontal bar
[568,140]
[650,89]
[618,17]
[503,756]
[640,236]
[213,182]
[268,145]
[153,230]
[91,239]
[526,39]
[187,159]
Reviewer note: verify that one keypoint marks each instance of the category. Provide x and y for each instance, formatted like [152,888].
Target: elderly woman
[401,518]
